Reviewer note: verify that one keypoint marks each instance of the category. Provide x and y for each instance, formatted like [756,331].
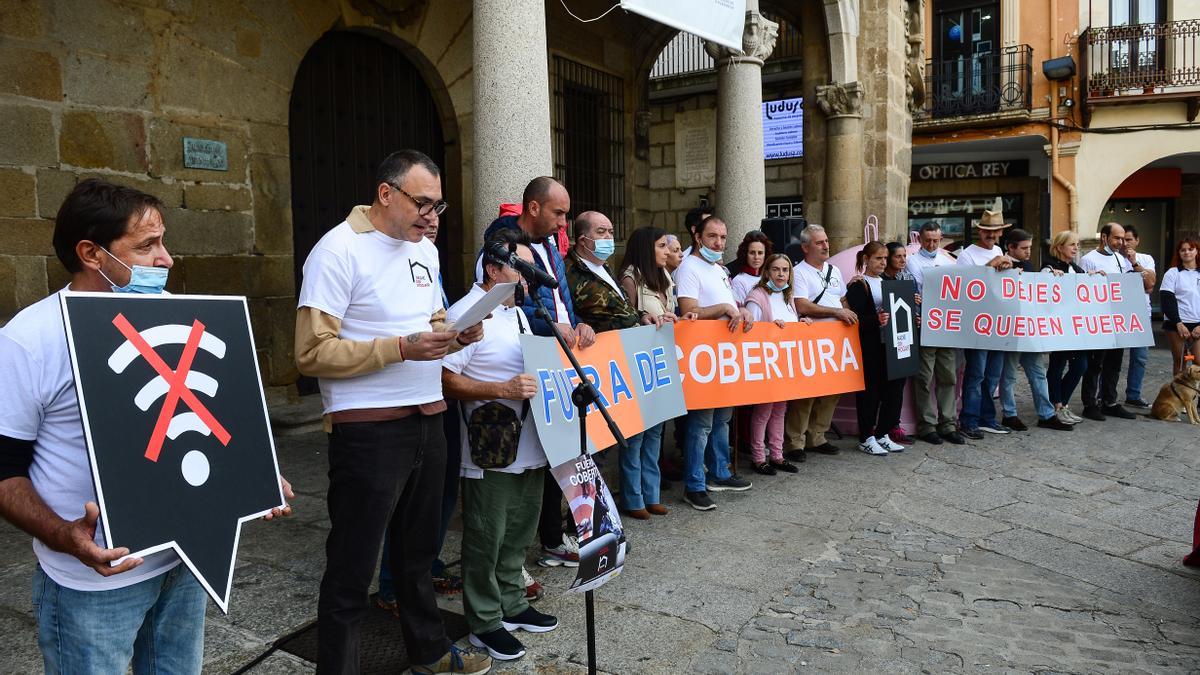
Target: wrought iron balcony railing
[685,55]
[1127,63]
[983,84]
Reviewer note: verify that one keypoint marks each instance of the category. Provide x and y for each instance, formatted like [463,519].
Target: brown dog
[1179,395]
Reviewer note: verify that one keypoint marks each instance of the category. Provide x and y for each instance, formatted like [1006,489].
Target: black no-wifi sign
[176,424]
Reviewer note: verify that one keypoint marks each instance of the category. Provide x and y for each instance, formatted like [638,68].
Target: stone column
[843,212]
[741,178]
[511,120]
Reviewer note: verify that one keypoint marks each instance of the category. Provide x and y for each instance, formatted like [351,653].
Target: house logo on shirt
[420,275]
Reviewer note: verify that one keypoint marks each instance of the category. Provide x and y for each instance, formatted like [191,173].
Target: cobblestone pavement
[1035,552]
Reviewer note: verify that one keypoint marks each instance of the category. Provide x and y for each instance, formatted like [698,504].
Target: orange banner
[767,364]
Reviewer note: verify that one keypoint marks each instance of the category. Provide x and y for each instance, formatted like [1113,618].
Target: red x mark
[177,379]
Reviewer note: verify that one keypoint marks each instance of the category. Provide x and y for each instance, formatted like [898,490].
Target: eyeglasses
[424,208]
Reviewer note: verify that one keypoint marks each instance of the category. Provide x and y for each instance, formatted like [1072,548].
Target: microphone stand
[584,395]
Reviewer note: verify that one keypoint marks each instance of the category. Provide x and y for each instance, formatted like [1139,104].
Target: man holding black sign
[371,326]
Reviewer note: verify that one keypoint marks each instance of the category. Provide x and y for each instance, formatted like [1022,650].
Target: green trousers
[938,375]
[500,515]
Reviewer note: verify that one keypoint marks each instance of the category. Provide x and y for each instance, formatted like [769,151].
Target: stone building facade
[497,90]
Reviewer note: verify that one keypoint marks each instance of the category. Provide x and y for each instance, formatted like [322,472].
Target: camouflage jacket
[596,303]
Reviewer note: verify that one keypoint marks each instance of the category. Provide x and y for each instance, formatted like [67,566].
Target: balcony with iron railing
[984,89]
[684,67]
[1147,62]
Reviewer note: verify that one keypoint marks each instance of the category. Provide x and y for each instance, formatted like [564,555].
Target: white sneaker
[872,447]
[1065,416]
[888,444]
[1075,419]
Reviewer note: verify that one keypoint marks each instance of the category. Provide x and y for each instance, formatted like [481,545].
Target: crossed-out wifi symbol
[175,385]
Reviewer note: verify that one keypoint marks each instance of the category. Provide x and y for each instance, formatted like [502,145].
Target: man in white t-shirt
[1099,389]
[1143,264]
[501,499]
[702,284]
[984,366]
[938,370]
[820,294]
[370,325]
[92,617]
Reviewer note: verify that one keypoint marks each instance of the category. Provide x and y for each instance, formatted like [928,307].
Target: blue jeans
[1035,372]
[157,624]
[640,476]
[703,424]
[1137,371]
[980,378]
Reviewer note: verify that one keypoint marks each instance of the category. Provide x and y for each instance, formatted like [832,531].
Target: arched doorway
[356,99]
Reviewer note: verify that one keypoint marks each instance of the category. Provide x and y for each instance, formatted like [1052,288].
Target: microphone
[498,252]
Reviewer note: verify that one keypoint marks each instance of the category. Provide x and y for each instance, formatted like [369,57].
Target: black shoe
[765,469]
[1136,403]
[825,448]
[931,438]
[796,456]
[1093,413]
[1115,410]
[734,483]
[785,466]
[1014,423]
[699,501]
[973,434]
[1053,422]
[500,645]
[954,437]
[530,620]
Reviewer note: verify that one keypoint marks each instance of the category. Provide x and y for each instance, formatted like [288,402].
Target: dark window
[589,139]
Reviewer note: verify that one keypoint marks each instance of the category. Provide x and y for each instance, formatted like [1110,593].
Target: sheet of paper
[479,311]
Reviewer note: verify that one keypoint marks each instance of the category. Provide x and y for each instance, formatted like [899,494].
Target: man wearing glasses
[371,326]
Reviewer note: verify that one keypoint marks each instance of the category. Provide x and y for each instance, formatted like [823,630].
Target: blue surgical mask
[927,254]
[775,287]
[142,279]
[710,255]
[604,248]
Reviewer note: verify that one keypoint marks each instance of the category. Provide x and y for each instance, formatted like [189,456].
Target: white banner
[721,21]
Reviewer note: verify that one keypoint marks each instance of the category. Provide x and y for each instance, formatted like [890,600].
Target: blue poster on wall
[783,128]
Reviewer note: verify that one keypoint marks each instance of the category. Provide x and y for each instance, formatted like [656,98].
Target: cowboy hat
[993,219]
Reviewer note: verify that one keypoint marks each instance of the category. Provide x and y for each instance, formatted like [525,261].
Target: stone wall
[669,204]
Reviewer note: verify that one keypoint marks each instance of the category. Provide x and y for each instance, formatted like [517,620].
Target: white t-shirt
[742,284]
[707,283]
[495,358]
[809,283]
[37,394]
[780,309]
[978,255]
[1099,261]
[377,286]
[602,272]
[1185,285]
[875,284]
[1147,262]
[917,264]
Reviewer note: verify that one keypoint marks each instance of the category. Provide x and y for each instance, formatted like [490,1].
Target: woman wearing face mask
[1064,248]
[771,300]
[754,249]
[1180,297]
[879,404]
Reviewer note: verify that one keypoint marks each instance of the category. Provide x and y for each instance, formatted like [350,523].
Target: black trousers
[551,523]
[1100,380]
[375,469]
[878,405]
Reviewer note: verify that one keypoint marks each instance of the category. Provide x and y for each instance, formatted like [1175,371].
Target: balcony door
[967,57]
[1137,47]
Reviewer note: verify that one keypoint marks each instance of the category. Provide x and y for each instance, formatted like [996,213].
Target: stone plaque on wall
[695,148]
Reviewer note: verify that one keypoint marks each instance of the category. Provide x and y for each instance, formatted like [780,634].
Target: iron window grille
[589,139]
[981,85]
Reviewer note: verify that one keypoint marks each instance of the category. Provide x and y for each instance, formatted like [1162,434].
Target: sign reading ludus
[980,308]
[176,425]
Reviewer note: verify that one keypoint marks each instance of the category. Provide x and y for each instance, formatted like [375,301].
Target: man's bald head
[540,190]
[588,221]
[546,205]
